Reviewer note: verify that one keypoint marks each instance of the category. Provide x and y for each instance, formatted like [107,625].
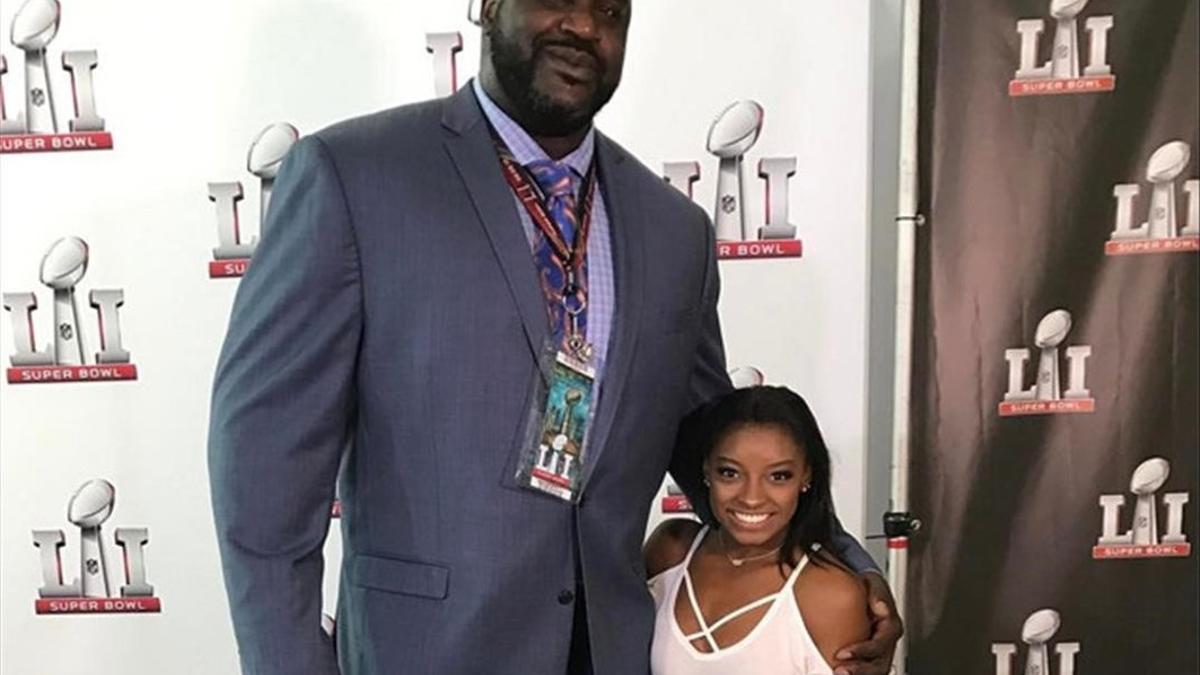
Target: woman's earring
[706,483]
[805,487]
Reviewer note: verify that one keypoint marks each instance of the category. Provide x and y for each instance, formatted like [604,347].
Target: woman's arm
[668,545]
[833,602]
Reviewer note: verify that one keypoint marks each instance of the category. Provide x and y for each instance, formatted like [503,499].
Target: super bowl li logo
[1039,629]
[1046,396]
[65,360]
[36,128]
[1164,230]
[732,134]
[92,591]
[1061,73]
[1142,540]
[232,253]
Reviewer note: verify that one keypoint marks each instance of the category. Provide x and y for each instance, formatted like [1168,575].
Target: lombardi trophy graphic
[266,154]
[35,128]
[571,400]
[746,376]
[1065,72]
[1065,58]
[34,26]
[1051,331]
[1037,631]
[94,591]
[263,160]
[730,137]
[66,359]
[62,269]
[1144,539]
[89,507]
[1164,167]
[1146,480]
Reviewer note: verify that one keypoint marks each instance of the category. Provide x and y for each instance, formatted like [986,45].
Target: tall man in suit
[397,319]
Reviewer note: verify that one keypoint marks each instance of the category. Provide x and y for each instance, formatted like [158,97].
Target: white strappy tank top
[778,645]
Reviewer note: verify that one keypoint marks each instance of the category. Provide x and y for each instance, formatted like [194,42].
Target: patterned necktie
[559,184]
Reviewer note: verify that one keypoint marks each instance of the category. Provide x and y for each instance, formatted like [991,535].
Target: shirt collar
[522,145]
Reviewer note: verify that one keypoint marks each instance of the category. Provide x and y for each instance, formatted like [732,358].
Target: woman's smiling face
[756,475]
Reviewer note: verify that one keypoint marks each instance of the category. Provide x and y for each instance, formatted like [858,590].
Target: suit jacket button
[566,598]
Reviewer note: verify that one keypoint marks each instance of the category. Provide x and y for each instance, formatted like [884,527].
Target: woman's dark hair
[812,526]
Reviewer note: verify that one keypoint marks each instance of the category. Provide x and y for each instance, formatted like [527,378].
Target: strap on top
[706,631]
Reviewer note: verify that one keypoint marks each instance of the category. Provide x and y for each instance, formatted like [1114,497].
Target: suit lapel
[626,225]
[474,155]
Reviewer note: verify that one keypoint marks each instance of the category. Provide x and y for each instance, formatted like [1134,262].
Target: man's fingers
[863,651]
[881,609]
[874,655]
[887,630]
[862,668]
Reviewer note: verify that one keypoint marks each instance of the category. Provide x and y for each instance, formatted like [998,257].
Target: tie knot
[554,178]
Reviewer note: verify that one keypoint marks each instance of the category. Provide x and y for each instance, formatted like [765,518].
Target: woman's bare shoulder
[833,602]
[669,544]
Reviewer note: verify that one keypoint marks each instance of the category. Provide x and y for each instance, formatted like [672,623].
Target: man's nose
[578,21]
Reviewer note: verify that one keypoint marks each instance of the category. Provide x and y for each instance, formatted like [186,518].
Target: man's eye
[613,11]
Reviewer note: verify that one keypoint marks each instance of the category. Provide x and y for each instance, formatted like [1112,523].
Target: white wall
[185,88]
[803,322]
[881,265]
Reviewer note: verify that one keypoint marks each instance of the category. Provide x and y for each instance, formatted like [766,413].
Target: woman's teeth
[750,518]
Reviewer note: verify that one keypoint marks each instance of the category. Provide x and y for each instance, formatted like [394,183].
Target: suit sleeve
[282,408]
[709,380]
[709,377]
[851,551]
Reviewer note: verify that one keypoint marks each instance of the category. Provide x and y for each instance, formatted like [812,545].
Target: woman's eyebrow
[786,462]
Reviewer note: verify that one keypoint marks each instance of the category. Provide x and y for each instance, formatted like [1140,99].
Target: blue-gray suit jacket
[391,320]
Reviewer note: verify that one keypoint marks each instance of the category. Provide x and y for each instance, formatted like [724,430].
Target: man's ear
[487,12]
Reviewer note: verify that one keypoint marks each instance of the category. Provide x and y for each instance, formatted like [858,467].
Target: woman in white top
[756,589]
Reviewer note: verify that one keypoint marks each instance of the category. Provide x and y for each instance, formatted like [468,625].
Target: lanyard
[530,196]
[573,295]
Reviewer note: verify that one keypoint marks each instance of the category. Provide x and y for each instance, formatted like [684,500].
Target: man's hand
[874,657]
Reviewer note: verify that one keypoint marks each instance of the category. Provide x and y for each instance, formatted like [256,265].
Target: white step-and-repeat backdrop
[130,131]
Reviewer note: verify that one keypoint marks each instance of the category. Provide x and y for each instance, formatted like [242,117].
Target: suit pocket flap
[400,576]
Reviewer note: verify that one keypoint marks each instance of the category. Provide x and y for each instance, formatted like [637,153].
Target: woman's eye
[781,476]
[727,473]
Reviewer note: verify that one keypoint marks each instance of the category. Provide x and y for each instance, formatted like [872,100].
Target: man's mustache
[577,45]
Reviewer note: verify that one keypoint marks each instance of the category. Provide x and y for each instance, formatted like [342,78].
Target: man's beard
[541,115]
